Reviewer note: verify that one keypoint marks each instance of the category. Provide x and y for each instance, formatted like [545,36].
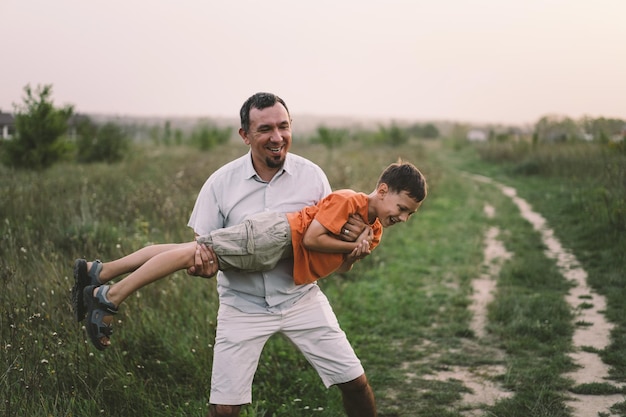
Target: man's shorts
[310,324]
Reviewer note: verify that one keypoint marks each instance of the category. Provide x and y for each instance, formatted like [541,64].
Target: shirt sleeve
[334,211]
[206,215]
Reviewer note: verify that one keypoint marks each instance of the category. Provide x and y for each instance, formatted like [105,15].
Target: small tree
[555,128]
[330,138]
[106,143]
[167,133]
[430,131]
[394,136]
[39,128]
[206,136]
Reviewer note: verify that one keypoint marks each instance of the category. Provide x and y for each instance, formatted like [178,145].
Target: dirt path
[484,391]
[595,334]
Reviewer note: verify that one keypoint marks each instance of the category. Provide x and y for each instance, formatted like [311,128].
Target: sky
[480,61]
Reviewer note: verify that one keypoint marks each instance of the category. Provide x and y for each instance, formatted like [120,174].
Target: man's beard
[275,163]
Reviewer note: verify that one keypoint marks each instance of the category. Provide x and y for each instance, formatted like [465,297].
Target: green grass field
[405,308]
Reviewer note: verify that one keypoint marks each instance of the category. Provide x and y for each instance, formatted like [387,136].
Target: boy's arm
[358,253]
[318,238]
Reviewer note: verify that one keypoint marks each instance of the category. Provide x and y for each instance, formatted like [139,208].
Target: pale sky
[498,61]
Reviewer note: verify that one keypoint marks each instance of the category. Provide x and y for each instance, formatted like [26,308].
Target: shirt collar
[248,167]
[250,173]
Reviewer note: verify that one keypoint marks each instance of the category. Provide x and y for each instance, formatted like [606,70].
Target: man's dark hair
[404,176]
[258,101]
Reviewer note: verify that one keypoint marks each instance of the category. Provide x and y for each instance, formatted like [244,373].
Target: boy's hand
[366,235]
[205,262]
[361,251]
[353,228]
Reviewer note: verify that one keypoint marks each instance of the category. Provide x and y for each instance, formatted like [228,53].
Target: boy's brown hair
[404,176]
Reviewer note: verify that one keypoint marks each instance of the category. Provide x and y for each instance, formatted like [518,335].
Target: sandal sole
[81,280]
[94,314]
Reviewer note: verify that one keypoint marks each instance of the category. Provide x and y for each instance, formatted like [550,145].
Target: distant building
[7,125]
[620,136]
[477,135]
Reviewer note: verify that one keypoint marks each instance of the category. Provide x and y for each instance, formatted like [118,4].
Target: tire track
[588,306]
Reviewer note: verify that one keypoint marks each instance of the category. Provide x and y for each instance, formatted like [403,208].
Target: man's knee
[358,398]
[356,385]
[224,410]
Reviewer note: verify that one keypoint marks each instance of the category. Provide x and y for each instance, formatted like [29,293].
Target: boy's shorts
[310,324]
[256,244]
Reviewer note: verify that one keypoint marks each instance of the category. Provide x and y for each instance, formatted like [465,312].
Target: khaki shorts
[310,324]
[257,244]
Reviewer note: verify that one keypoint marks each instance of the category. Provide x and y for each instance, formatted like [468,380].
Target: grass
[404,308]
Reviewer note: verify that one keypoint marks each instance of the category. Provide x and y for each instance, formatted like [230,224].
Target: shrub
[205,136]
[39,128]
[330,138]
[394,135]
[106,143]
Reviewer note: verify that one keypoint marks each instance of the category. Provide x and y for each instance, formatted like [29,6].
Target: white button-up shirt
[233,193]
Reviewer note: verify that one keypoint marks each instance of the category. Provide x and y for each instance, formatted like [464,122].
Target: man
[252,309]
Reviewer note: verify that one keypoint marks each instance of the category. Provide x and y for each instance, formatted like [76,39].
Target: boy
[309,236]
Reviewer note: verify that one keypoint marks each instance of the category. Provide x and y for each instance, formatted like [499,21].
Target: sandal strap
[94,272]
[103,301]
[105,330]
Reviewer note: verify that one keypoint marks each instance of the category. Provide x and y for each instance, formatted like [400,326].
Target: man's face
[269,136]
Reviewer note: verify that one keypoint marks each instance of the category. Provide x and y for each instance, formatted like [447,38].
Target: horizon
[484,62]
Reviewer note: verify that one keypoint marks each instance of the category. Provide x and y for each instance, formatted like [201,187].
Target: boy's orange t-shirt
[332,212]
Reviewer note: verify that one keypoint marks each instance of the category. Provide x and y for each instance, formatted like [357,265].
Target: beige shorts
[257,244]
[310,324]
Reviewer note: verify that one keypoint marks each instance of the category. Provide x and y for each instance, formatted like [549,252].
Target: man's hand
[206,265]
[352,229]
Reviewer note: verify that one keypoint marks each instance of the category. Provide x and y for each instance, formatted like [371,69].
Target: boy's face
[394,207]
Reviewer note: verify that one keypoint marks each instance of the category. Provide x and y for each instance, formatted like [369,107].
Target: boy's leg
[129,263]
[154,263]
[98,273]
[179,256]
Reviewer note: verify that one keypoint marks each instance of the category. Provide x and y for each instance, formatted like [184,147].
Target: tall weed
[404,308]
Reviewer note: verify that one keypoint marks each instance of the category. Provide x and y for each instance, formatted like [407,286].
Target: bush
[106,143]
[394,135]
[39,126]
[330,138]
[206,136]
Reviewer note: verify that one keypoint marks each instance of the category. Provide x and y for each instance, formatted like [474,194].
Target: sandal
[82,278]
[98,307]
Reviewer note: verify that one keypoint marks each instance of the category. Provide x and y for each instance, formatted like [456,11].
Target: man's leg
[312,326]
[239,341]
[224,410]
[358,398]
